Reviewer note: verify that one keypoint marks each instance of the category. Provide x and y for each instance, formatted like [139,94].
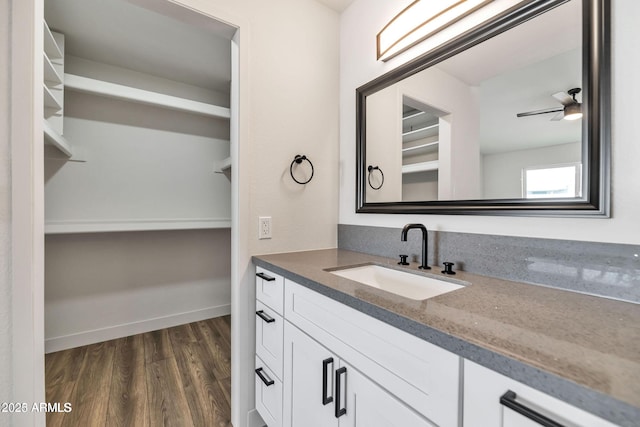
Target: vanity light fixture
[419,21]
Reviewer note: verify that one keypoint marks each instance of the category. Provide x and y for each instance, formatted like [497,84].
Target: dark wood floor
[179,376]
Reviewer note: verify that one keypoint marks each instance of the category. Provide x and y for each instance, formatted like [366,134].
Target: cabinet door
[308,381]
[369,405]
[494,400]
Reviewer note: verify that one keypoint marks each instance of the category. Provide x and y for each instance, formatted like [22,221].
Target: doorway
[138,217]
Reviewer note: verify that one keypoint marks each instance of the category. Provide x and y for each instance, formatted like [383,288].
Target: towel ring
[297,160]
[371,169]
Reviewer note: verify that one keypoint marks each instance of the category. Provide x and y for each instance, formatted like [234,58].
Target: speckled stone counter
[581,349]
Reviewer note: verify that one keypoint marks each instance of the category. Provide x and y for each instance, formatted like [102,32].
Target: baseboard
[124,330]
[254,419]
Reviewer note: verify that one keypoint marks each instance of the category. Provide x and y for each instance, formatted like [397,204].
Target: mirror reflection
[489,123]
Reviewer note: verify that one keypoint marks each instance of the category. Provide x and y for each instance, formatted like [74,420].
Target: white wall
[384,148]
[359,25]
[26,238]
[5,213]
[294,93]
[502,172]
[287,101]
[104,285]
[142,164]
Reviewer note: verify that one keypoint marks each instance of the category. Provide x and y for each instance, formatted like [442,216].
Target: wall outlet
[264,227]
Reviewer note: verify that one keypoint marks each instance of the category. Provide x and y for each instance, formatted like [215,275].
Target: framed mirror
[482,124]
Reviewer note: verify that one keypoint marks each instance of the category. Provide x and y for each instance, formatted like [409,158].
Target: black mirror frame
[596,76]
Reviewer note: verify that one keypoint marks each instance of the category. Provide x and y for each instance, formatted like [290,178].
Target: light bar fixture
[420,20]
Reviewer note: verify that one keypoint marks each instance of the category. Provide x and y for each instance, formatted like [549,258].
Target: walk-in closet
[137,169]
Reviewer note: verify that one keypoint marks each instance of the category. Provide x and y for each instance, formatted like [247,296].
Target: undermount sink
[403,283]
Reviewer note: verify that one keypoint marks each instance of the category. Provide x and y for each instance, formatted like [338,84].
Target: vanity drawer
[270,289]
[494,400]
[268,394]
[269,336]
[423,376]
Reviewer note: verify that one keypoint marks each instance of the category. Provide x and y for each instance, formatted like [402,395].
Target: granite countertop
[582,349]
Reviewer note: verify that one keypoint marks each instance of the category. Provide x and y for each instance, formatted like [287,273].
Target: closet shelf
[413,115]
[50,101]
[50,74]
[53,138]
[429,146]
[76,227]
[419,133]
[225,164]
[420,167]
[51,48]
[118,91]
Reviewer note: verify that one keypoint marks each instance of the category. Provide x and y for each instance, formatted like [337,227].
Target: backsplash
[603,269]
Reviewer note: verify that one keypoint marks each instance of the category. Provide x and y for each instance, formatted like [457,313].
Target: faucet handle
[403,260]
[448,268]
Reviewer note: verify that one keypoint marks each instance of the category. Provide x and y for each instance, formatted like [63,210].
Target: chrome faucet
[425,241]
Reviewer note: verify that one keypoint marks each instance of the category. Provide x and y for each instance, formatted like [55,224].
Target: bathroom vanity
[333,351]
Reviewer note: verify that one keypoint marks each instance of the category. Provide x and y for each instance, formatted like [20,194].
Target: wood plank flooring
[179,376]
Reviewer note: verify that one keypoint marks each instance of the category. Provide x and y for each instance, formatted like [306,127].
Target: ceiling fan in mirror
[571,109]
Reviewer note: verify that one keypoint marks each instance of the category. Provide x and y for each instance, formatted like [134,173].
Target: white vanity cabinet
[331,365]
[387,370]
[322,390]
[494,400]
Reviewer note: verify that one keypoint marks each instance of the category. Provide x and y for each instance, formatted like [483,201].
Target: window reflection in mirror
[540,182]
[452,131]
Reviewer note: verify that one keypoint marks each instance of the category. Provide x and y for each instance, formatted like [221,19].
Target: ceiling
[518,71]
[139,35]
[126,35]
[337,5]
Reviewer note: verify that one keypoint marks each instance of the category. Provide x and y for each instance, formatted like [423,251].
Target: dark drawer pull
[264,316]
[325,381]
[338,410]
[265,277]
[509,400]
[264,377]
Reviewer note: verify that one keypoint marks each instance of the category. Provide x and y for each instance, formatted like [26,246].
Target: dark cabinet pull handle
[340,411]
[261,314]
[325,380]
[509,400]
[264,377]
[265,277]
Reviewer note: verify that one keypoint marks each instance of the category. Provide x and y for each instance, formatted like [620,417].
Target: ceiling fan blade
[563,98]
[536,112]
[558,117]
